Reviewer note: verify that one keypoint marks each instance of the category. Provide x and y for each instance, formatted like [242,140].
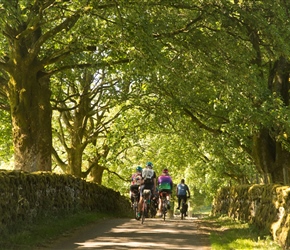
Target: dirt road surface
[131,234]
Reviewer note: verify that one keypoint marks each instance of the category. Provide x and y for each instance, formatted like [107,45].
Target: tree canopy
[201,87]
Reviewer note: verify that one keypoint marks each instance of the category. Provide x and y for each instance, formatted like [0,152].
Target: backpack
[182,189]
[147,175]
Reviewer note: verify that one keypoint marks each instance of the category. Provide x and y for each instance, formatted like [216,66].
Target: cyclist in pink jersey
[136,179]
[165,184]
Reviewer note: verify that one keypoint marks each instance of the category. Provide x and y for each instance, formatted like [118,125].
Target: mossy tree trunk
[268,151]
[29,98]
[32,47]
[97,174]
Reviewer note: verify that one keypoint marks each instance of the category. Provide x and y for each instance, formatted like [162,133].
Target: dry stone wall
[266,206]
[24,197]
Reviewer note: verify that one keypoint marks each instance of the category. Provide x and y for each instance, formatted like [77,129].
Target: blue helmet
[149,164]
[139,169]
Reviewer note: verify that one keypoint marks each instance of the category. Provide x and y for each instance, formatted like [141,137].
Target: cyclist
[148,182]
[165,184]
[181,190]
[135,183]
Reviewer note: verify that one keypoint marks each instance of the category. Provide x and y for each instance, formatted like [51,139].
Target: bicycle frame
[163,204]
[183,208]
[135,203]
[146,199]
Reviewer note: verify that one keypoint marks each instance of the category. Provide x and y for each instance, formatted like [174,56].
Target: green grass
[44,231]
[234,235]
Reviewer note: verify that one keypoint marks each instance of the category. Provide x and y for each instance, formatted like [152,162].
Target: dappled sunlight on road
[153,234]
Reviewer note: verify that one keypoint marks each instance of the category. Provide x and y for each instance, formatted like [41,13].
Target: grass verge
[44,231]
[234,235]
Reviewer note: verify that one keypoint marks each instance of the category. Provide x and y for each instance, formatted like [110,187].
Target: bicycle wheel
[135,208]
[143,211]
[152,210]
[183,209]
[164,209]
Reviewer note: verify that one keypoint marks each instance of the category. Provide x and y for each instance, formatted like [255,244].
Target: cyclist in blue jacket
[181,191]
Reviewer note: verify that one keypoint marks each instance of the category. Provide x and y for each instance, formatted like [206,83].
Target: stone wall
[24,197]
[266,206]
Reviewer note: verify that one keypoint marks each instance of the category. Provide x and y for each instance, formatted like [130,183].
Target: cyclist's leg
[146,200]
[133,190]
[168,196]
[159,212]
[183,205]
[179,200]
[140,201]
[131,195]
[143,211]
[185,198]
[159,201]
[165,201]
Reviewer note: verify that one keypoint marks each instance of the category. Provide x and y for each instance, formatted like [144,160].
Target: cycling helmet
[139,169]
[149,164]
[165,171]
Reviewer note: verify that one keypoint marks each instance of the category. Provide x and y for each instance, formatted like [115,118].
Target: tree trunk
[29,94]
[263,151]
[75,161]
[78,125]
[97,173]
[29,98]
[270,156]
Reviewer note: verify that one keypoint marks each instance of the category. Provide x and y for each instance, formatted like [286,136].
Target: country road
[131,234]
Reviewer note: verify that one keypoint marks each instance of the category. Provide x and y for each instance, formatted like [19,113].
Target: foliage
[188,85]
[6,147]
[223,52]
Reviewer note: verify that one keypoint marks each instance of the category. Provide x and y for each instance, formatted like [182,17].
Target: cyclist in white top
[148,182]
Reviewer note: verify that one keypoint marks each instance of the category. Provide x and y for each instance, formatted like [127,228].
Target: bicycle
[164,204]
[146,201]
[184,208]
[153,206]
[135,193]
